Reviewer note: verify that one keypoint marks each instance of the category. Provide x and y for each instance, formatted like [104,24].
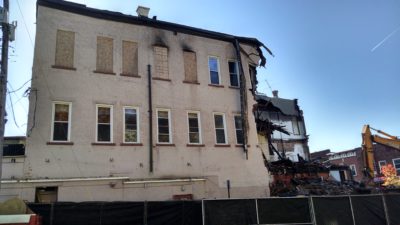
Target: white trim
[164,181]
[169,125]
[69,120]
[234,124]
[63,180]
[355,169]
[380,166]
[219,69]
[215,129]
[237,72]
[111,122]
[394,165]
[199,125]
[137,124]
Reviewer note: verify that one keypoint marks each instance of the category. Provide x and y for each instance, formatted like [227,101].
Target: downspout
[243,97]
[150,121]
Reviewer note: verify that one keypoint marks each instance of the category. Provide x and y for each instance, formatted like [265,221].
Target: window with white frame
[396,164]
[233,73]
[213,67]
[381,163]
[131,124]
[104,125]
[164,126]
[61,125]
[353,170]
[239,129]
[220,127]
[194,127]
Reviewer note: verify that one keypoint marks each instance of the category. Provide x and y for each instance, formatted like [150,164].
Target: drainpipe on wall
[150,121]
[243,97]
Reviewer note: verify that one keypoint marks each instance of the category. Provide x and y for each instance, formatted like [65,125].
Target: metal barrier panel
[284,211]
[333,210]
[368,210]
[230,212]
[393,208]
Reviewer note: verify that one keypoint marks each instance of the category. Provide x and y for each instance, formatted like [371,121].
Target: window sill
[63,67]
[216,85]
[162,79]
[103,72]
[131,144]
[234,87]
[190,82]
[240,145]
[222,145]
[165,144]
[195,145]
[103,144]
[60,143]
[129,75]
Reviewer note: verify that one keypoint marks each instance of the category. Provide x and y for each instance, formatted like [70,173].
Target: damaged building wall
[291,139]
[84,89]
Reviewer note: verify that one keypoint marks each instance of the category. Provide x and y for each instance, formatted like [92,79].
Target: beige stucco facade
[106,172]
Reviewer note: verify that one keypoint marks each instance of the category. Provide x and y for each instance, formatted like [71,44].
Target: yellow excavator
[367,146]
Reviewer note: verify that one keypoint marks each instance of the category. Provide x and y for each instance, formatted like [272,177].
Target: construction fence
[333,210]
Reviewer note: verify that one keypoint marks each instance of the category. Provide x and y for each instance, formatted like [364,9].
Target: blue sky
[328,54]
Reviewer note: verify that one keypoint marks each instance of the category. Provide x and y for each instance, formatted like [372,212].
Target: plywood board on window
[190,66]
[161,62]
[65,44]
[129,58]
[104,59]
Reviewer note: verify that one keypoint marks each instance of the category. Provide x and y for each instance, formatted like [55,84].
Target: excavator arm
[367,146]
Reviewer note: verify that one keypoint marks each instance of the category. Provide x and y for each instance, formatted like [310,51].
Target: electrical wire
[26,27]
[19,87]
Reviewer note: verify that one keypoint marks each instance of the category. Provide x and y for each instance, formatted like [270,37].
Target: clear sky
[340,58]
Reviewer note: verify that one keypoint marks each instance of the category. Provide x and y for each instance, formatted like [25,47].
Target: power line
[26,27]
[20,87]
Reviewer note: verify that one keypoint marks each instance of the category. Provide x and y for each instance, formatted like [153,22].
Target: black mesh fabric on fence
[393,208]
[332,211]
[174,213]
[122,213]
[284,210]
[42,209]
[368,210]
[83,213]
[230,212]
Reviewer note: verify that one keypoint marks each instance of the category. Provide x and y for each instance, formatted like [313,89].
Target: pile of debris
[307,178]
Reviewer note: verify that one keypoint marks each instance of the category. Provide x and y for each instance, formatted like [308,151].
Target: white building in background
[98,132]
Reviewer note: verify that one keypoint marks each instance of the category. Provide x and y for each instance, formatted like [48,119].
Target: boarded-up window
[104,60]
[161,62]
[65,49]
[129,58]
[190,65]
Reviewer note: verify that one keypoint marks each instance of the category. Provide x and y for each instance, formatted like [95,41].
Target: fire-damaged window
[295,125]
[239,129]
[161,62]
[46,194]
[65,45]
[194,127]
[104,123]
[353,170]
[213,67]
[129,58]
[61,127]
[105,55]
[190,66]
[233,73]
[164,126]
[220,127]
[131,124]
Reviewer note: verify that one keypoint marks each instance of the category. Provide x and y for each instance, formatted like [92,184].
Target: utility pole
[3,77]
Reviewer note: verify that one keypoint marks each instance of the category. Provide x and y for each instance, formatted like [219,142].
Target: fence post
[311,203]
[51,213]
[352,212]
[258,218]
[386,210]
[203,216]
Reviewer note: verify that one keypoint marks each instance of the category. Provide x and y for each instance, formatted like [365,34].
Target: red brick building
[353,158]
